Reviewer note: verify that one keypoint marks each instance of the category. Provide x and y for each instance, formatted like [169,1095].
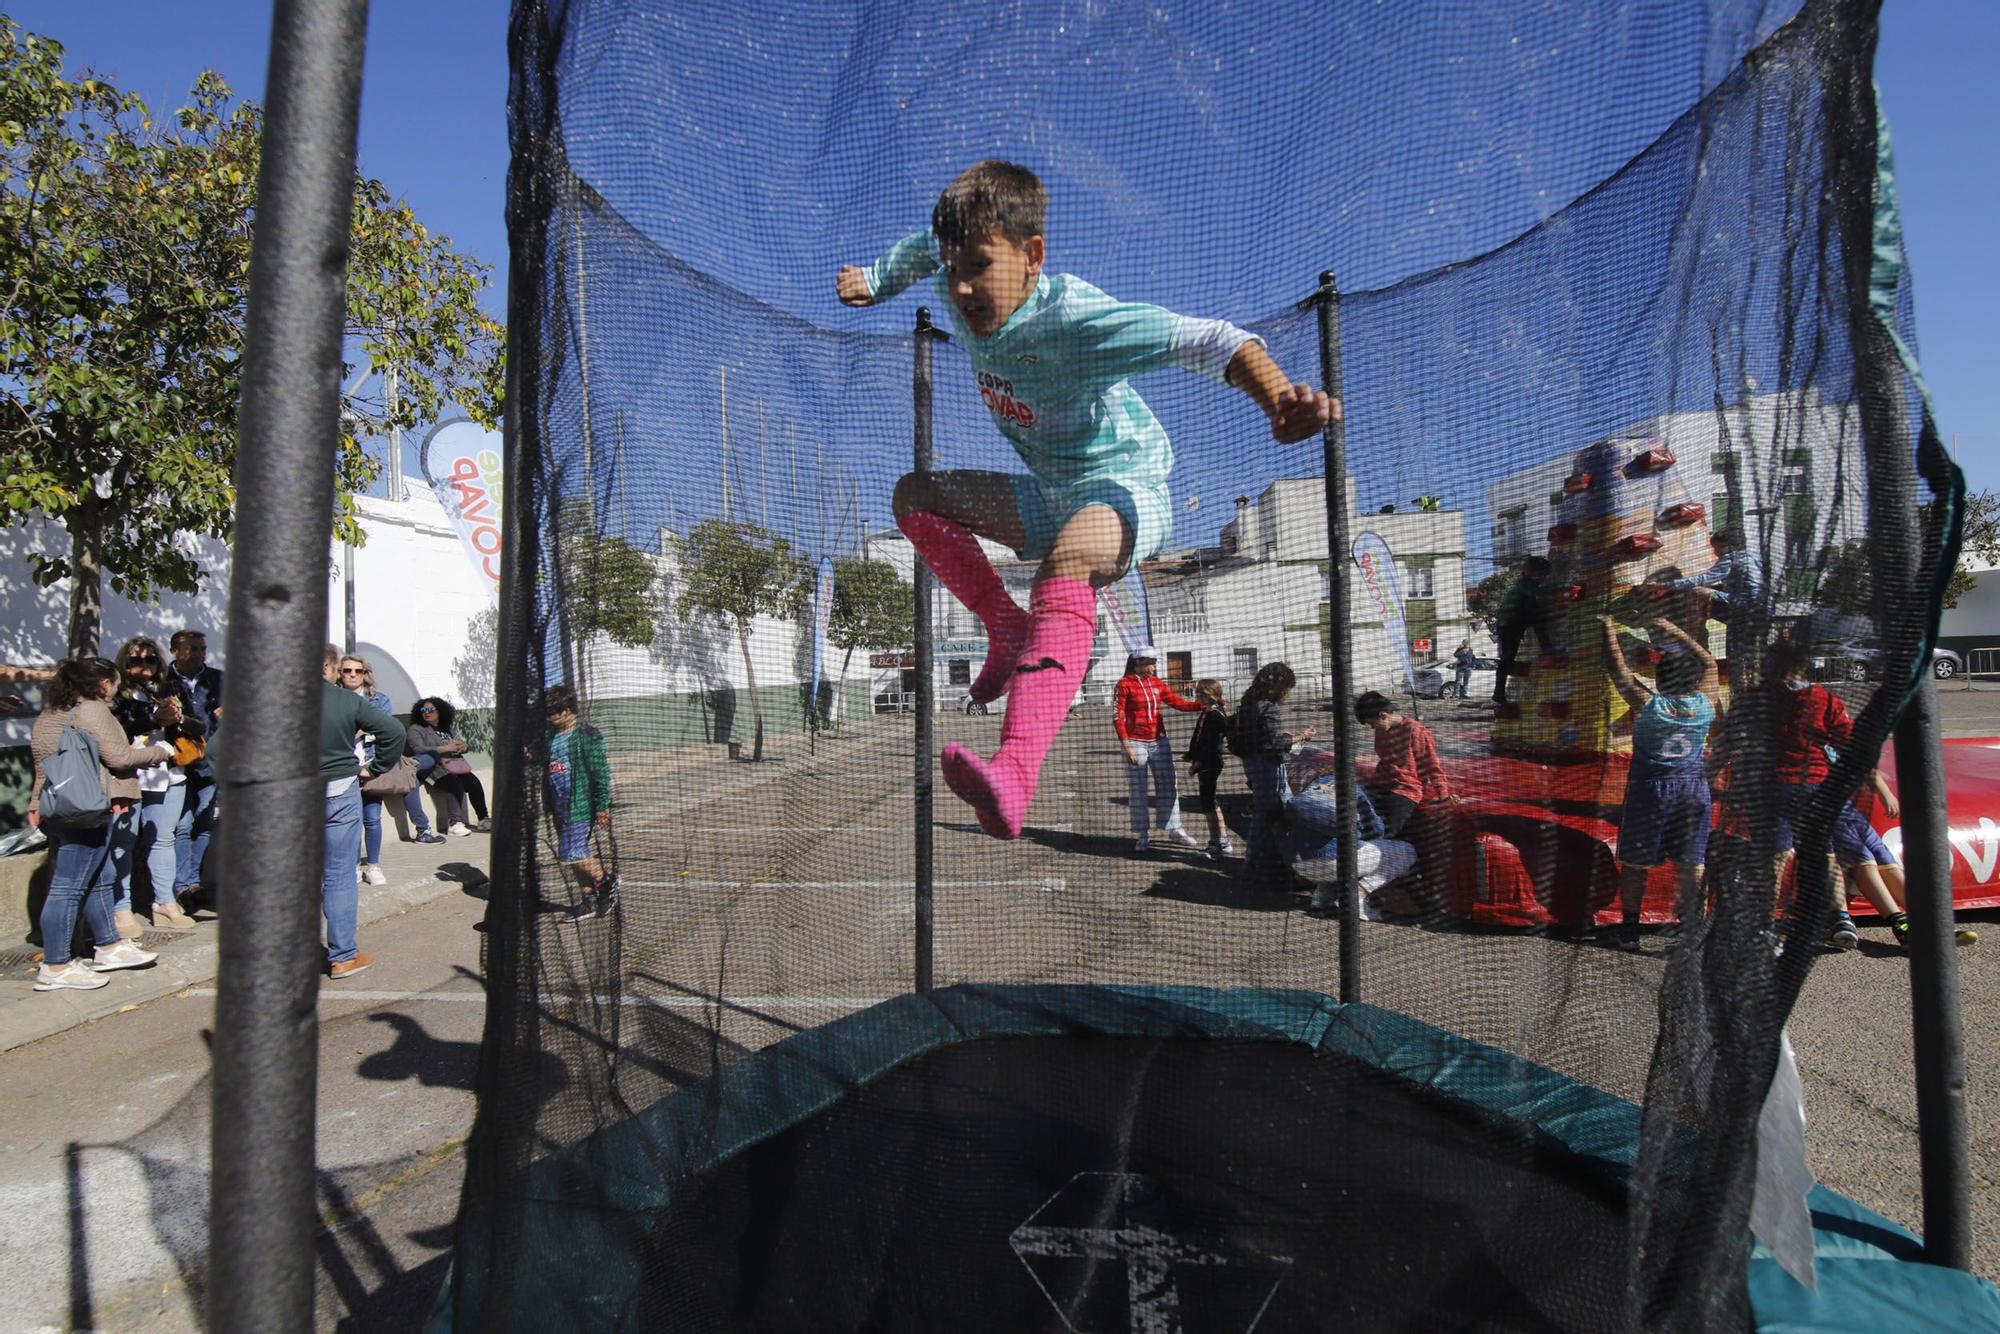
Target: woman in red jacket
[1136,717]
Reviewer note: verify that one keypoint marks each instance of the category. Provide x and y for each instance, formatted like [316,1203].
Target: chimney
[1246,527]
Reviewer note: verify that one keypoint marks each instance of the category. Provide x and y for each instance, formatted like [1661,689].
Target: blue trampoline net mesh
[1626,566]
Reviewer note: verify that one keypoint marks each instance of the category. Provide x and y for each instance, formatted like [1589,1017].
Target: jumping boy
[1407,768]
[1053,357]
[579,781]
[1667,802]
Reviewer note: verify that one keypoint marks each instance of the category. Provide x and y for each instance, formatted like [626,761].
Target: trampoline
[784,1035]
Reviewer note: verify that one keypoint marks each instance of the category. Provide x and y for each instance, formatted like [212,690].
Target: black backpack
[1243,730]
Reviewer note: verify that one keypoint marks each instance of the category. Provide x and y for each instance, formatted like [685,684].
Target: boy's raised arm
[1621,672]
[1297,411]
[1711,678]
[909,260]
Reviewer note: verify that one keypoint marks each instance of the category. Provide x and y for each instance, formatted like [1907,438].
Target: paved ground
[785,887]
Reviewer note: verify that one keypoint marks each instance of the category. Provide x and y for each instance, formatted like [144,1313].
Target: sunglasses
[427,709]
[354,671]
[143,660]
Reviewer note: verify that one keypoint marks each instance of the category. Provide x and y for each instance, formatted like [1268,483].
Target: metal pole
[1945,1165]
[1337,558]
[347,589]
[924,585]
[261,1212]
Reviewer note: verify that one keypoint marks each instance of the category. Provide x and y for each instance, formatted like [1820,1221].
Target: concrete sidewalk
[417,873]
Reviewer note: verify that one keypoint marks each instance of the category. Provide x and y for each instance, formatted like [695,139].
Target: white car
[1440,680]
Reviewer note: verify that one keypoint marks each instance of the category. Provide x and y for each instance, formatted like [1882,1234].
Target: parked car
[1440,680]
[1863,662]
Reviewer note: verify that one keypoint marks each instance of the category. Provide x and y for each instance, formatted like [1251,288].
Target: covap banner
[1385,589]
[461,461]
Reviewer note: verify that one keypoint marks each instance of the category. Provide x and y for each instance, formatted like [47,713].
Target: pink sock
[1062,623]
[955,558]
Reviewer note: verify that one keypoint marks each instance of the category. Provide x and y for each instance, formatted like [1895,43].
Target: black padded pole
[1337,540]
[261,1210]
[1945,1165]
[920,388]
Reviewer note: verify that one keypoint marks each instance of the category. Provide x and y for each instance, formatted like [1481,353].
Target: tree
[1847,584]
[873,607]
[1482,600]
[739,571]
[1981,540]
[607,585]
[124,268]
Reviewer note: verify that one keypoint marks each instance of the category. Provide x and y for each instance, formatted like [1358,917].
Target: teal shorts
[1146,507]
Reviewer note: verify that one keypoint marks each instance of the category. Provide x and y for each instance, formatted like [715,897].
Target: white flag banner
[461,461]
[1384,583]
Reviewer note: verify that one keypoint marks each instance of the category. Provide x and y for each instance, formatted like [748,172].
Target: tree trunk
[756,704]
[86,577]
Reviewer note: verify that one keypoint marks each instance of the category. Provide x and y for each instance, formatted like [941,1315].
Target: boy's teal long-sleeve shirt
[1055,375]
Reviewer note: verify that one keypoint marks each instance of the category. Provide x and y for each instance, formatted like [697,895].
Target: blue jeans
[82,878]
[340,898]
[144,836]
[1260,848]
[371,828]
[413,800]
[191,830]
[1159,763]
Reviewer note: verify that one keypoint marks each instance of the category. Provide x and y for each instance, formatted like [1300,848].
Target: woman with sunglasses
[358,676]
[150,707]
[431,734]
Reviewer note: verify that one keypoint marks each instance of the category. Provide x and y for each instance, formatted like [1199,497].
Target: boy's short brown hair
[990,198]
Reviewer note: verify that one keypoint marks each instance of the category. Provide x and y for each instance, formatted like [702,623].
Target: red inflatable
[1535,844]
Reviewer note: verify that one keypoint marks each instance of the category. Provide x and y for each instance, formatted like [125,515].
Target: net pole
[1334,439]
[261,1212]
[1944,1164]
[922,584]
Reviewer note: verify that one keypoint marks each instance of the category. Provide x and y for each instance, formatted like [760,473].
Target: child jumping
[579,782]
[1141,729]
[1204,757]
[1667,801]
[1053,357]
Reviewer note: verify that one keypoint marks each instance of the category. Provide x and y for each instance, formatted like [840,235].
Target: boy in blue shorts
[1873,869]
[1667,801]
[1053,357]
[579,793]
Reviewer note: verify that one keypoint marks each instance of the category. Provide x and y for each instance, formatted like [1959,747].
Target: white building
[1785,468]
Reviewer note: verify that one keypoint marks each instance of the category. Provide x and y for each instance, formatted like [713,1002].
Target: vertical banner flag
[1126,601]
[461,461]
[822,696]
[1385,588]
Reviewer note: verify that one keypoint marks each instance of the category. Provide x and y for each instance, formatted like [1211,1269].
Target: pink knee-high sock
[1063,620]
[954,556]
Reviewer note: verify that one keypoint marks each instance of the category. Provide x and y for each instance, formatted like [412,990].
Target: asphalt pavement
[785,886]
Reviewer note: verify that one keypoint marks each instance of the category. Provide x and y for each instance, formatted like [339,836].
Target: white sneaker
[371,874]
[358,877]
[459,830]
[122,955]
[1182,837]
[72,976]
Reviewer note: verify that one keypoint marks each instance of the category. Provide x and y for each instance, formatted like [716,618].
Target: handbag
[398,779]
[454,764]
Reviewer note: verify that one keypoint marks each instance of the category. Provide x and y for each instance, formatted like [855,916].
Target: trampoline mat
[1114,1184]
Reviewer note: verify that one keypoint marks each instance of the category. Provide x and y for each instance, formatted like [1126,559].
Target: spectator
[453,784]
[1257,736]
[1525,608]
[1141,729]
[202,686]
[342,714]
[1204,757]
[357,676]
[151,707]
[579,797]
[1668,806]
[81,693]
[1462,662]
[1407,769]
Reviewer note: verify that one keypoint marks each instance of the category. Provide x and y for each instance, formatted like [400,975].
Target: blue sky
[433,129]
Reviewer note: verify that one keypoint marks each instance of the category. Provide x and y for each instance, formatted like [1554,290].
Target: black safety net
[1592,610]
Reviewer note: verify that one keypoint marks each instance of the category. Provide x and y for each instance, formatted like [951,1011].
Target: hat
[1146,651]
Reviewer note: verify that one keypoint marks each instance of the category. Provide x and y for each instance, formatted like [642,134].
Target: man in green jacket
[342,714]
[1526,607]
[579,795]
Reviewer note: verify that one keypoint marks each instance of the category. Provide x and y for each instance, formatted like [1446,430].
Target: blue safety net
[853,486]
